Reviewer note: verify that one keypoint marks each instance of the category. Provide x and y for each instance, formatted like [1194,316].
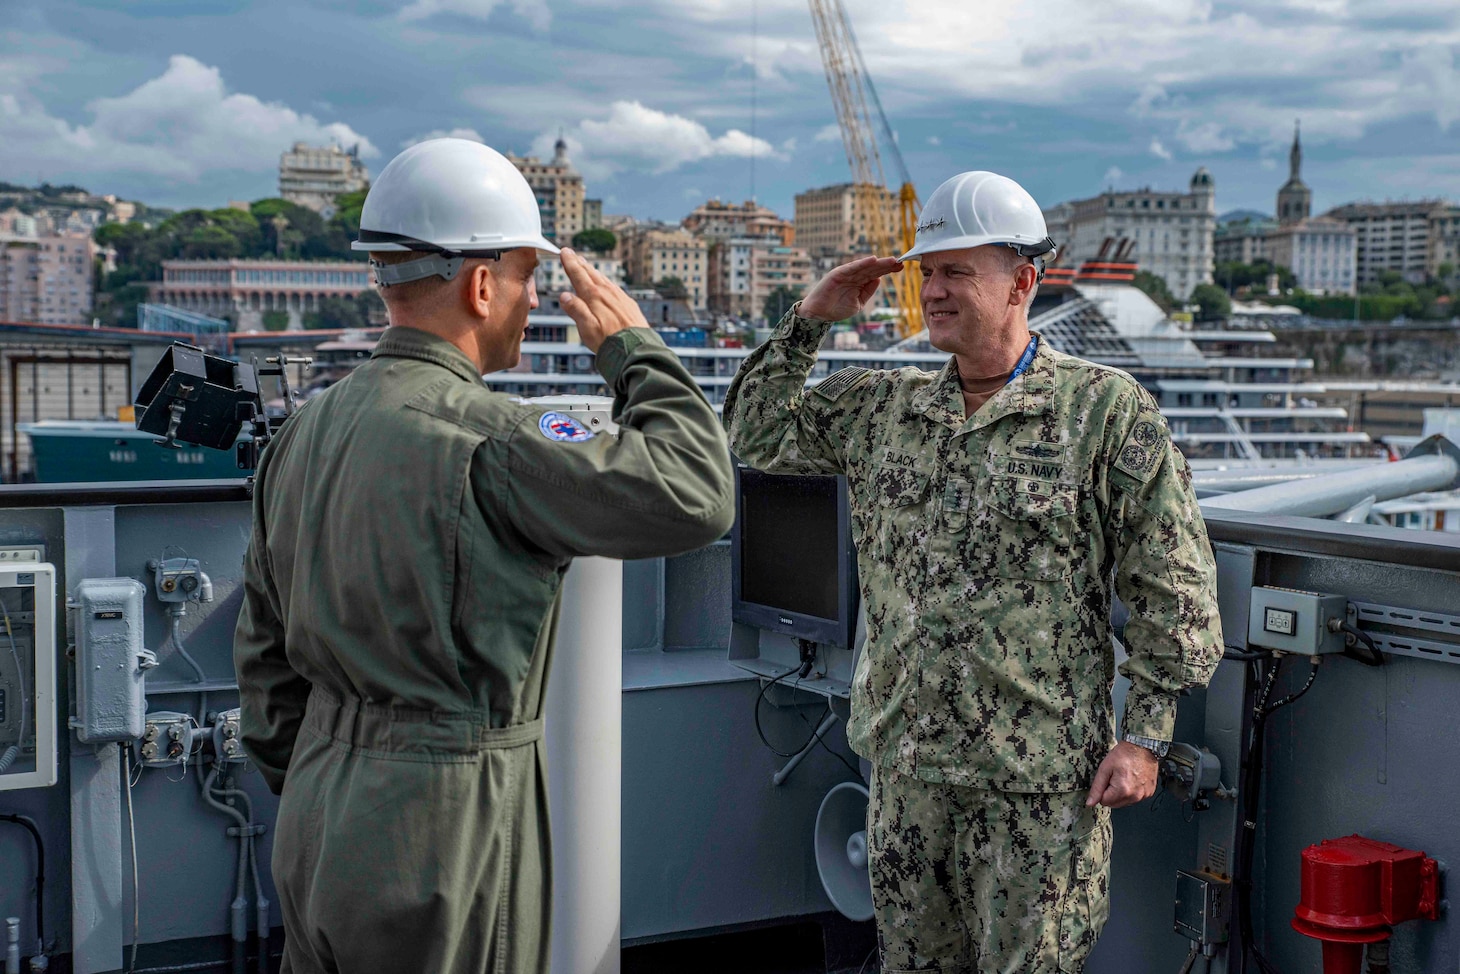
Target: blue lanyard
[1025,360]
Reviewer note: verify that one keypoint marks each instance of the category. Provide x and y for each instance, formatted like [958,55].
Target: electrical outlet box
[27,669]
[111,660]
[228,737]
[1292,621]
[1203,908]
[167,740]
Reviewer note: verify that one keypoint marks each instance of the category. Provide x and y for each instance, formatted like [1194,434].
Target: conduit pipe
[1434,464]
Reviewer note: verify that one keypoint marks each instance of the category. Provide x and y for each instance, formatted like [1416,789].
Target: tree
[1155,287]
[276,320]
[343,312]
[1211,301]
[672,288]
[597,239]
[779,301]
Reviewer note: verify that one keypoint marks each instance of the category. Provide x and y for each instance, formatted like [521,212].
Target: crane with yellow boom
[893,222]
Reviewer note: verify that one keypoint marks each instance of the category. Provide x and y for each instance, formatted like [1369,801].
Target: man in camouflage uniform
[997,506]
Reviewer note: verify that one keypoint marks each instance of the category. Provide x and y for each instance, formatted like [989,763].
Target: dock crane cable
[851,92]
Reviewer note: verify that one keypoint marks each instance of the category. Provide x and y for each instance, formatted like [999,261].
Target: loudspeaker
[841,850]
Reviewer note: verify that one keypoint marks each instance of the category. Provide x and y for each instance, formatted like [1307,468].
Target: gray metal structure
[709,842]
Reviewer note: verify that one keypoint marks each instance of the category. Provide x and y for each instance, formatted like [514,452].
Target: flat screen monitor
[793,567]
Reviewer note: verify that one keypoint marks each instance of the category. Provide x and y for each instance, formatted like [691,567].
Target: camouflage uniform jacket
[987,547]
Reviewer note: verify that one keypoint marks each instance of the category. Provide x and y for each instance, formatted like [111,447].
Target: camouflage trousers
[979,880]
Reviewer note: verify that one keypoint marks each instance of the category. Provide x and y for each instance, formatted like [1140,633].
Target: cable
[1190,959]
[136,885]
[822,740]
[761,732]
[1375,658]
[870,954]
[40,872]
[177,642]
[1312,675]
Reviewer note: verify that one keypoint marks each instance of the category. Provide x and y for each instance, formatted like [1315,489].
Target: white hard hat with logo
[451,199]
[977,208]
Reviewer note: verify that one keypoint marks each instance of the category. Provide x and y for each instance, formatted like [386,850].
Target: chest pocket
[1030,527]
[899,491]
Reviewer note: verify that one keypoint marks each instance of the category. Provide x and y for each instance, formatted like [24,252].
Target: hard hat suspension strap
[432,265]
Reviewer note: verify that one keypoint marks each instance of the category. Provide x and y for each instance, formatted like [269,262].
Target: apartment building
[843,220]
[559,191]
[652,253]
[47,279]
[716,221]
[743,271]
[313,175]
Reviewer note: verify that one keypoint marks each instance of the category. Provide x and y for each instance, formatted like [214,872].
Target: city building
[1294,199]
[1172,231]
[47,280]
[715,220]
[1443,257]
[313,175]
[244,289]
[840,221]
[652,253]
[592,214]
[1320,251]
[1392,236]
[551,280]
[743,271]
[559,191]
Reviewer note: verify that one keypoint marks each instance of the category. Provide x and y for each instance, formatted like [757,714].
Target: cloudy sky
[189,102]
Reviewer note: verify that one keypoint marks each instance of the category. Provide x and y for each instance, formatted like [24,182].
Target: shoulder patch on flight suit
[563,428]
[1143,450]
[832,387]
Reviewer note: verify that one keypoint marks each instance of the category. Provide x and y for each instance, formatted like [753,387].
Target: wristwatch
[1158,748]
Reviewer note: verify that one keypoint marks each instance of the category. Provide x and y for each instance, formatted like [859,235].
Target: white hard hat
[452,198]
[977,208]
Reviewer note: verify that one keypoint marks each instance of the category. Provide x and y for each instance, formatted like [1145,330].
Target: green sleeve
[662,485]
[271,694]
[1165,573]
[774,423]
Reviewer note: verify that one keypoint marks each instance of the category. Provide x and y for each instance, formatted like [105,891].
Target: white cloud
[1160,151]
[535,12]
[828,133]
[1204,137]
[934,140]
[1113,175]
[181,124]
[634,135]
[457,133]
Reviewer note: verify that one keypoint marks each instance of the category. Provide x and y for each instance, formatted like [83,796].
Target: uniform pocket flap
[900,480]
[1025,499]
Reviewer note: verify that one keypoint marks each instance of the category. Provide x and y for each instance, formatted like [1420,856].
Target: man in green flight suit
[411,531]
[997,506]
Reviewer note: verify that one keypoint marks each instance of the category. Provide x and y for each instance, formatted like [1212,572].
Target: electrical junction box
[166,740]
[1291,621]
[1203,908]
[228,737]
[27,669]
[111,660]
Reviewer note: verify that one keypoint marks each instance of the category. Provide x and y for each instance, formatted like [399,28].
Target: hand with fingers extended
[598,306]
[843,292]
[1126,776]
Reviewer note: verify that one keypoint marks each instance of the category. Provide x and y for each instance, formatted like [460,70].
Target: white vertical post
[584,713]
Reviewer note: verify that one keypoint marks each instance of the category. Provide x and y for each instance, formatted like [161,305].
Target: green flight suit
[411,531]
[988,548]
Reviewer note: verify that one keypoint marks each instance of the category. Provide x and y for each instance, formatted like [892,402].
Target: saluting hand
[598,306]
[843,292]
[1126,776]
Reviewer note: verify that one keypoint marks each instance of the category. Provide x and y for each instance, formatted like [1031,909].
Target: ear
[480,289]
[1025,280]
